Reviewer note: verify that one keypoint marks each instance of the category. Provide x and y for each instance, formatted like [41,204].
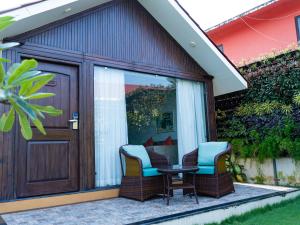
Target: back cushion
[140,152]
[149,142]
[208,150]
[168,141]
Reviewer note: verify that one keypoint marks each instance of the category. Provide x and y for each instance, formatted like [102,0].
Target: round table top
[177,169]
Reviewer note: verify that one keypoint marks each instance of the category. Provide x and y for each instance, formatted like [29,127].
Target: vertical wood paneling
[120,30]
[7,149]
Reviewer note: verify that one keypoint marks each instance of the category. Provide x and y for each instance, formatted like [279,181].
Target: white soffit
[39,14]
[180,26]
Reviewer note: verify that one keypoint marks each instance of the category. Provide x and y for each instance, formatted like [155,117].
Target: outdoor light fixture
[193,44]
[68,10]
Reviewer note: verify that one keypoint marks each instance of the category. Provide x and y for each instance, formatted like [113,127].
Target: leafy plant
[236,169]
[144,105]
[19,85]
[265,122]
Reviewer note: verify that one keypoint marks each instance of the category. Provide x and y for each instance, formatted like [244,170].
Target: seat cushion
[140,152]
[206,170]
[208,150]
[150,172]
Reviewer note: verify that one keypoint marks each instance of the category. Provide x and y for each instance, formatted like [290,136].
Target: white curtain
[191,119]
[110,124]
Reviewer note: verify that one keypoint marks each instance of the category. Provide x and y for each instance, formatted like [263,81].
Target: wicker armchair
[141,183]
[212,179]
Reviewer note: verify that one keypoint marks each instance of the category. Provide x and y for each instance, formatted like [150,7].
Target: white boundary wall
[288,171]
[218,216]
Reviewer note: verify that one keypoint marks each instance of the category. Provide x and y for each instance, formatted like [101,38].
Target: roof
[169,13]
[261,6]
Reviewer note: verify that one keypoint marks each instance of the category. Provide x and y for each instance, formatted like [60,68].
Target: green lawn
[286,213]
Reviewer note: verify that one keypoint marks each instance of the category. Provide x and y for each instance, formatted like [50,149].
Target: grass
[285,213]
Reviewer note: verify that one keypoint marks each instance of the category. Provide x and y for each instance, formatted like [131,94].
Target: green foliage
[264,108]
[266,123]
[144,105]
[19,86]
[297,99]
[236,169]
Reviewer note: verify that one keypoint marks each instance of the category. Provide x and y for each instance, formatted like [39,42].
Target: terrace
[181,210]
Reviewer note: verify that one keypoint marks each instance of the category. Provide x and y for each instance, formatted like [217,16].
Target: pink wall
[241,42]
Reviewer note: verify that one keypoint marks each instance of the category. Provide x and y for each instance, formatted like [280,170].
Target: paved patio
[125,211]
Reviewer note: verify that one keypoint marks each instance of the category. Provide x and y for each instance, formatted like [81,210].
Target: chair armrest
[157,160]
[220,160]
[190,159]
[134,165]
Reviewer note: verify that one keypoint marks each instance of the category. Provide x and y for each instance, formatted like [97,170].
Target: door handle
[74,124]
[74,120]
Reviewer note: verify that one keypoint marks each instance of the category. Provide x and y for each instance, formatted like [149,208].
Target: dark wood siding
[119,34]
[7,140]
[121,30]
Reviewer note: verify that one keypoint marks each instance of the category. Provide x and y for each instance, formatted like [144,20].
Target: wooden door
[48,164]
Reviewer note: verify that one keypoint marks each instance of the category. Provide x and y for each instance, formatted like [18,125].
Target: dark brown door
[48,164]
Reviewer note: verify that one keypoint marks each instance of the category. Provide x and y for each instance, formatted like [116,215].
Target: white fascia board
[180,26]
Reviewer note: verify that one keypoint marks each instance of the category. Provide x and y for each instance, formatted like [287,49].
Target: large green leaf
[2,74]
[50,110]
[7,121]
[25,87]
[26,77]
[25,107]
[25,126]
[25,66]
[8,45]
[28,82]
[4,60]
[11,69]
[39,95]
[3,121]
[23,120]
[39,126]
[5,21]
[40,83]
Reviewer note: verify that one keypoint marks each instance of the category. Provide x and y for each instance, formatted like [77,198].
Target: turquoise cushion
[206,170]
[140,152]
[208,150]
[150,172]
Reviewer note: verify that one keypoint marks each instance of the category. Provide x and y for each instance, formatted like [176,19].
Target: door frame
[71,59]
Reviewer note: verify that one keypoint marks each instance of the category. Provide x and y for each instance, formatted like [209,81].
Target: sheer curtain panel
[110,124]
[191,118]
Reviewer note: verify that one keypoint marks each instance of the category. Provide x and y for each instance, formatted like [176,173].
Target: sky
[207,13]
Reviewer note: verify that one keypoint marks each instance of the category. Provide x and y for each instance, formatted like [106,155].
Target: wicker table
[169,171]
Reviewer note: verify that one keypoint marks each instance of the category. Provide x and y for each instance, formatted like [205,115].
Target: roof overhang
[168,13]
[184,30]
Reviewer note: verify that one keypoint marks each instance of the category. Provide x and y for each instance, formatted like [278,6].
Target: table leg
[168,189]
[164,194]
[195,192]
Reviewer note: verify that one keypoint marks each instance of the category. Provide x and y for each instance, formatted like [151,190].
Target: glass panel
[143,109]
[151,112]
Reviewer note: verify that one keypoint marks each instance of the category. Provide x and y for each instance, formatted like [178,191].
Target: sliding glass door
[143,109]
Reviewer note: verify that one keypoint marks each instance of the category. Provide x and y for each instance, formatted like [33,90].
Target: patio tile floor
[124,211]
